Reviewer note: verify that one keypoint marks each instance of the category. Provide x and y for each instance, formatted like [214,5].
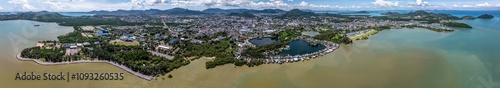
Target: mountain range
[182,11]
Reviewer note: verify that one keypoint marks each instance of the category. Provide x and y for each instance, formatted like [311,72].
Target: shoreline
[363,36]
[140,75]
[329,47]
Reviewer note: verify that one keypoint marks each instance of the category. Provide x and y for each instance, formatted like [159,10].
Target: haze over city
[90,5]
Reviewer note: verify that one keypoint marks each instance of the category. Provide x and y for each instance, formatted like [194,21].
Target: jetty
[140,75]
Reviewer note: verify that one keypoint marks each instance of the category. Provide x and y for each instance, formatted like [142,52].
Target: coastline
[140,75]
[365,35]
[329,47]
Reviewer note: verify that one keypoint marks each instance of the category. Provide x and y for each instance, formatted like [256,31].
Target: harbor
[329,47]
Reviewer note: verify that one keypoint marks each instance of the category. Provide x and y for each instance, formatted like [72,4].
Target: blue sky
[89,5]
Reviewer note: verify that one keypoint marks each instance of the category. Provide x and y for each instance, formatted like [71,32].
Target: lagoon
[300,47]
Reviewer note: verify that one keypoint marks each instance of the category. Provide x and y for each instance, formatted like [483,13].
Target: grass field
[119,42]
[364,36]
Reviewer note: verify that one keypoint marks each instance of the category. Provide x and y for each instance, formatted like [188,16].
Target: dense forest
[456,24]
[76,37]
[136,59]
[221,50]
[486,16]
[48,55]
[334,36]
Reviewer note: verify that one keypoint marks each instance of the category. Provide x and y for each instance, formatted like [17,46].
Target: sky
[90,5]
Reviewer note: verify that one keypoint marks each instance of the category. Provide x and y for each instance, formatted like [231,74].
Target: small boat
[37,25]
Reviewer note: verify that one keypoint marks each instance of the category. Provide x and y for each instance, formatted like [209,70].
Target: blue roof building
[102,32]
[128,38]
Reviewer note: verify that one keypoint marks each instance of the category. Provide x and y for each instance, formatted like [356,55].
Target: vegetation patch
[335,36]
[364,36]
[456,24]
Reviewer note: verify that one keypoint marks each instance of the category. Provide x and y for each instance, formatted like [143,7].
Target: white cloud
[303,3]
[22,5]
[53,5]
[290,0]
[467,6]
[419,3]
[306,5]
[148,2]
[384,3]
[211,3]
[142,4]
[485,4]
[270,4]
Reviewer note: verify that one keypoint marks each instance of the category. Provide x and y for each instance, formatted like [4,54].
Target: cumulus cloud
[303,3]
[21,5]
[384,3]
[212,3]
[281,4]
[53,5]
[142,4]
[270,4]
[467,6]
[419,3]
[306,5]
[148,2]
[485,4]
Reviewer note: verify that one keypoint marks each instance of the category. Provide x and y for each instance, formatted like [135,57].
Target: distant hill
[227,11]
[174,11]
[244,14]
[362,12]
[468,18]
[182,11]
[216,10]
[426,15]
[486,16]
[296,13]
[179,11]
[419,12]
[391,13]
[44,16]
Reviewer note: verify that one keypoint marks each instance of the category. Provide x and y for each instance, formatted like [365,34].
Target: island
[363,12]
[152,43]
[468,18]
[486,16]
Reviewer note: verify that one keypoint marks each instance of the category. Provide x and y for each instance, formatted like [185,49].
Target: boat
[37,25]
